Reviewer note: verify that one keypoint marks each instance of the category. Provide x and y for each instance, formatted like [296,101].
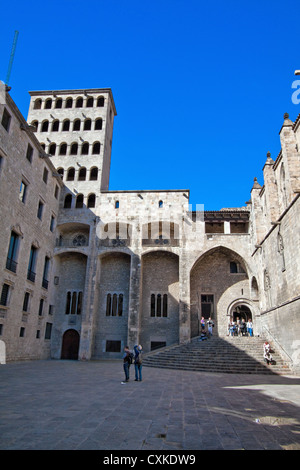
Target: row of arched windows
[66,124]
[82,174]
[74,148]
[79,201]
[80,102]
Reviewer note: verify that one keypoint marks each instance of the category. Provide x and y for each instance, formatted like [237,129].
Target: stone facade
[133,267]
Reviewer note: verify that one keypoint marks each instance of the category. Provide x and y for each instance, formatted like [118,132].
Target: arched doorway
[70,345]
[241,312]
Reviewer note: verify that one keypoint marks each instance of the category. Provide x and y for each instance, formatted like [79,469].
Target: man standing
[138,362]
[126,362]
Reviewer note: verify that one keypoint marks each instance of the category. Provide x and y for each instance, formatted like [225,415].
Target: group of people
[135,358]
[210,324]
[240,327]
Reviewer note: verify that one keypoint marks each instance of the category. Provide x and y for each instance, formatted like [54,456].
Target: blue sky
[200,87]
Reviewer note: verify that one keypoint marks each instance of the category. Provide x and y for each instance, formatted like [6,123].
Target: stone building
[133,267]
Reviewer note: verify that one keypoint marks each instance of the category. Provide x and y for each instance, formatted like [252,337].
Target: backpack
[138,359]
[130,358]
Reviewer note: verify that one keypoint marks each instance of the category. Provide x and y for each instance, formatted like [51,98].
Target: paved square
[67,405]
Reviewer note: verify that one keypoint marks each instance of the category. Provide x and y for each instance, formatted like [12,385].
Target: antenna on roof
[12,54]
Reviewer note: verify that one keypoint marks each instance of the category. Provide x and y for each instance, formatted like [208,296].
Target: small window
[98,124]
[6,118]
[79,201]
[85,148]
[52,223]
[76,125]
[22,332]
[52,149]
[55,126]
[69,103]
[11,261]
[96,148]
[26,302]
[58,103]
[91,200]
[66,125]
[117,205]
[113,346]
[45,281]
[74,303]
[160,204]
[60,171]
[5,295]
[71,174]
[74,149]
[29,153]
[41,307]
[114,305]
[90,102]
[48,330]
[35,125]
[100,102]
[45,175]
[94,174]
[82,174]
[87,125]
[79,102]
[48,104]
[159,305]
[45,126]
[37,104]
[40,210]
[56,191]
[23,190]
[63,149]
[68,201]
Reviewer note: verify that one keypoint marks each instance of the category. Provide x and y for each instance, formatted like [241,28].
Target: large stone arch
[218,277]
[111,303]
[159,307]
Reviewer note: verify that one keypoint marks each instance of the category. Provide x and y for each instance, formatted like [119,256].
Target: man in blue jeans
[126,362]
[138,362]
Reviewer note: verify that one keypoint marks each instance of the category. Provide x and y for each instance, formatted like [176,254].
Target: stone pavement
[66,405]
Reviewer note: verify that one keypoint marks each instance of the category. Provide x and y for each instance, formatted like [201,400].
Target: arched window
[79,201]
[82,174]
[98,124]
[37,104]
[96,148]
[55,125]
[160,204]
[52,149]
[74,148]
[79,102]
[100,102]
[45,126]
[58,103]
[76,125]
[48,103]
[68,201]
[63,149]
[117,205]
[90,102]
[60,171]
[66,125]
[94,174]
[85,148]
[91,200]
[35,124]
[69,102]
[71,174]
[87,125]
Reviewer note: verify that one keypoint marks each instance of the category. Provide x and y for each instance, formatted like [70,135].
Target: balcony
[11,265]
[31,275]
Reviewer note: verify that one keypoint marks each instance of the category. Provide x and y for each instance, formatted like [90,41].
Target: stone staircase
[231,355]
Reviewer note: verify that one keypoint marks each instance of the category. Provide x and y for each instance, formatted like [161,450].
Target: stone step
[224,355]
